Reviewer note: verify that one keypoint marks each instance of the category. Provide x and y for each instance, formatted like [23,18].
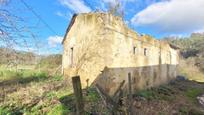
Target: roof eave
[69,27]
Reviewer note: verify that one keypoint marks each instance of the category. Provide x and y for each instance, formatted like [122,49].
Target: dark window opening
[72,56]
[134,50]
[145,51]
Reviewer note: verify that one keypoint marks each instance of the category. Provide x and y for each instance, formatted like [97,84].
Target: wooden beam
[78,95]
[119,88]
[129,94]
[108,98]
[110,103]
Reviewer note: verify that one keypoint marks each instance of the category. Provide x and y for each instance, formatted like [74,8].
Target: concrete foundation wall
[142,77]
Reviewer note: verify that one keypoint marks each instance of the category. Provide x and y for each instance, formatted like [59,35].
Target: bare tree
[3,2]
[13,34]
[116,8]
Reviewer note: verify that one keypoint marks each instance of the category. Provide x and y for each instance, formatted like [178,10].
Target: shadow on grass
[175,87]
[36,77]
[11,85]
[68,102]
[91,98]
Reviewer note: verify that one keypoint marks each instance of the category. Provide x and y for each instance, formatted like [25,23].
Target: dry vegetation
[189,70]
[32,85]
[39,93]
[192,56]
[175,98]
[41,89]
[30,90]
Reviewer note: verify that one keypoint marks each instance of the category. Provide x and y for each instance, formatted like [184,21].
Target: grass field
[31,92]
[22,91]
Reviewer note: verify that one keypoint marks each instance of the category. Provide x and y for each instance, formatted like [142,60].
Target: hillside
[190,46]
[11,58]
[192,55]
[8,55]
[50,63]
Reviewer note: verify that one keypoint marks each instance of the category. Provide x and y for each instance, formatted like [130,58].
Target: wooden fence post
[78,95]
[130,94]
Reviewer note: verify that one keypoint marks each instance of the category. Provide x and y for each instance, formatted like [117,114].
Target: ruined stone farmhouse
[102,49]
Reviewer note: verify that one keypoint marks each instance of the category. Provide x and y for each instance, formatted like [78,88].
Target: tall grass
[14,75]
[187,69]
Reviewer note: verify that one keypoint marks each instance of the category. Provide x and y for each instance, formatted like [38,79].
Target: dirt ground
[51,95]
[176,98]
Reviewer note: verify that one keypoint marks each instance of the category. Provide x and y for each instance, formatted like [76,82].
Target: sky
[158,18]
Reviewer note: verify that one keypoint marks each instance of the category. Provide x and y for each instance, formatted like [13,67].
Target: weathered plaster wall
[90,48]
[102,40]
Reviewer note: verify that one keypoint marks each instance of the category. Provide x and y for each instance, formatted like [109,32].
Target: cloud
[77,6]
[114,2]
[58,13]
[53,41]
[67,15]
[3,2]
[107,4]
[173,16]
[199,31]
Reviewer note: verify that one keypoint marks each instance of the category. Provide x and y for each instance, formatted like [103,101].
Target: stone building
[102,49]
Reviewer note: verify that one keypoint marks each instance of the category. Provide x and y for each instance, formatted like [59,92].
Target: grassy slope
[192,56]
[178,97]
[22,92]
[189,70]
[37,93]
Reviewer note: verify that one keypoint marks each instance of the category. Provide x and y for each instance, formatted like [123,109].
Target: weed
[57,77]
[158,93]
[40,75]
[183,110]
[148,94]
[192,93]
[1,73]
[4,111]
[92,95]
[161,113]
[59,110]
